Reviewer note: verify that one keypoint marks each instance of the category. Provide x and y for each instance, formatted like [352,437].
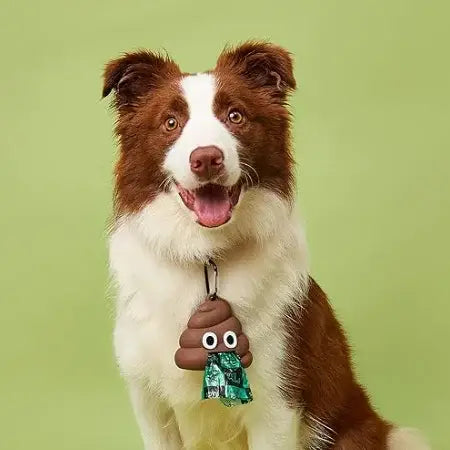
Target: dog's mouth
[212,203]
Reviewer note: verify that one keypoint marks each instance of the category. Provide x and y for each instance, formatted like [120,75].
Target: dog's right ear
[135,74]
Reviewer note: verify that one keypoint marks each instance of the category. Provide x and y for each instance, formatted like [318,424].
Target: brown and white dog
[206,171]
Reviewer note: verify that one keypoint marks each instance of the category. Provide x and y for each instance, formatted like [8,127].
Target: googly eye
[209,340]
[230,339]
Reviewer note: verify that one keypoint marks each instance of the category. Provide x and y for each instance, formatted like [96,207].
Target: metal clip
[211,295]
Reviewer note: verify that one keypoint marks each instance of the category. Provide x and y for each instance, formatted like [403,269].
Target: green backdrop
[372,139]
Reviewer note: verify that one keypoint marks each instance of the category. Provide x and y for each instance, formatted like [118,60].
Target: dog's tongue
[212,205]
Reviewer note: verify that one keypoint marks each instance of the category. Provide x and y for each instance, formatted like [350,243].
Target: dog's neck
[170,233]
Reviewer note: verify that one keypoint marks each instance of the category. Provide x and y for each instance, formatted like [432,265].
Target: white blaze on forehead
[199,91]
[202,129]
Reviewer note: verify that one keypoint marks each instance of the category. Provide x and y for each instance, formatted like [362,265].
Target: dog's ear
[135,74]
[263,65]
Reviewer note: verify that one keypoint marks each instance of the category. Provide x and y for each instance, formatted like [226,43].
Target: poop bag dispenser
[215,343]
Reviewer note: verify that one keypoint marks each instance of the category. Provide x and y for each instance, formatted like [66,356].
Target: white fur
[156,259]
[406,439]
[202,129]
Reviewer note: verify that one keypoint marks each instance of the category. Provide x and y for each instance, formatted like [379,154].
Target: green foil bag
[226,379]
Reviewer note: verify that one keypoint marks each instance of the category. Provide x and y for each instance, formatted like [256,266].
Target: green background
[372,139]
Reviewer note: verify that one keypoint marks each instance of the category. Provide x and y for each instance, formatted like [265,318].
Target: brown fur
[256,78]
[320,380]
[146,94]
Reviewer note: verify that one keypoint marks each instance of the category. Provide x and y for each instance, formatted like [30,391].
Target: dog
[205,170]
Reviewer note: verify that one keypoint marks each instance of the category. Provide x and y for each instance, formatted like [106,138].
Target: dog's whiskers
[248,179]
[253,170]
[164,185]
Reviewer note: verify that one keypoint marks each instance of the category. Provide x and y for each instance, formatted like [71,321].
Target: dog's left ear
[263,65]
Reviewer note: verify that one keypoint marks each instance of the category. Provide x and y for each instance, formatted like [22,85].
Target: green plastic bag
[225,378]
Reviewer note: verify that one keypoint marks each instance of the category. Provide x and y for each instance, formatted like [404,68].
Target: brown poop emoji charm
[214,342]
[212,328]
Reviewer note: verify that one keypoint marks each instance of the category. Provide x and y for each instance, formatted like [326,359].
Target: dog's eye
[209,340]
[171,124]
[230,339]
[235,116]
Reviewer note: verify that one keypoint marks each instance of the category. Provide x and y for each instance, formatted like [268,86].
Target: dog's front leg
[271,426]
[155,419]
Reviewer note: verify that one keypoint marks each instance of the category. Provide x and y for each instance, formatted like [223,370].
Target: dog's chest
[156,299]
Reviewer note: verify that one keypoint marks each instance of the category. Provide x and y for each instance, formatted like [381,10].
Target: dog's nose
[206,162]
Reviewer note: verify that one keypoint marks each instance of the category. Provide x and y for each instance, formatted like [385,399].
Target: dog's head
[202,141]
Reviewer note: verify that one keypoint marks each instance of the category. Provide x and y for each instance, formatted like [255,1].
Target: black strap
[210,263]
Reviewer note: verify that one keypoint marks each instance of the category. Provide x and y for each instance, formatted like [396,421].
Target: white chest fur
[157,295]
